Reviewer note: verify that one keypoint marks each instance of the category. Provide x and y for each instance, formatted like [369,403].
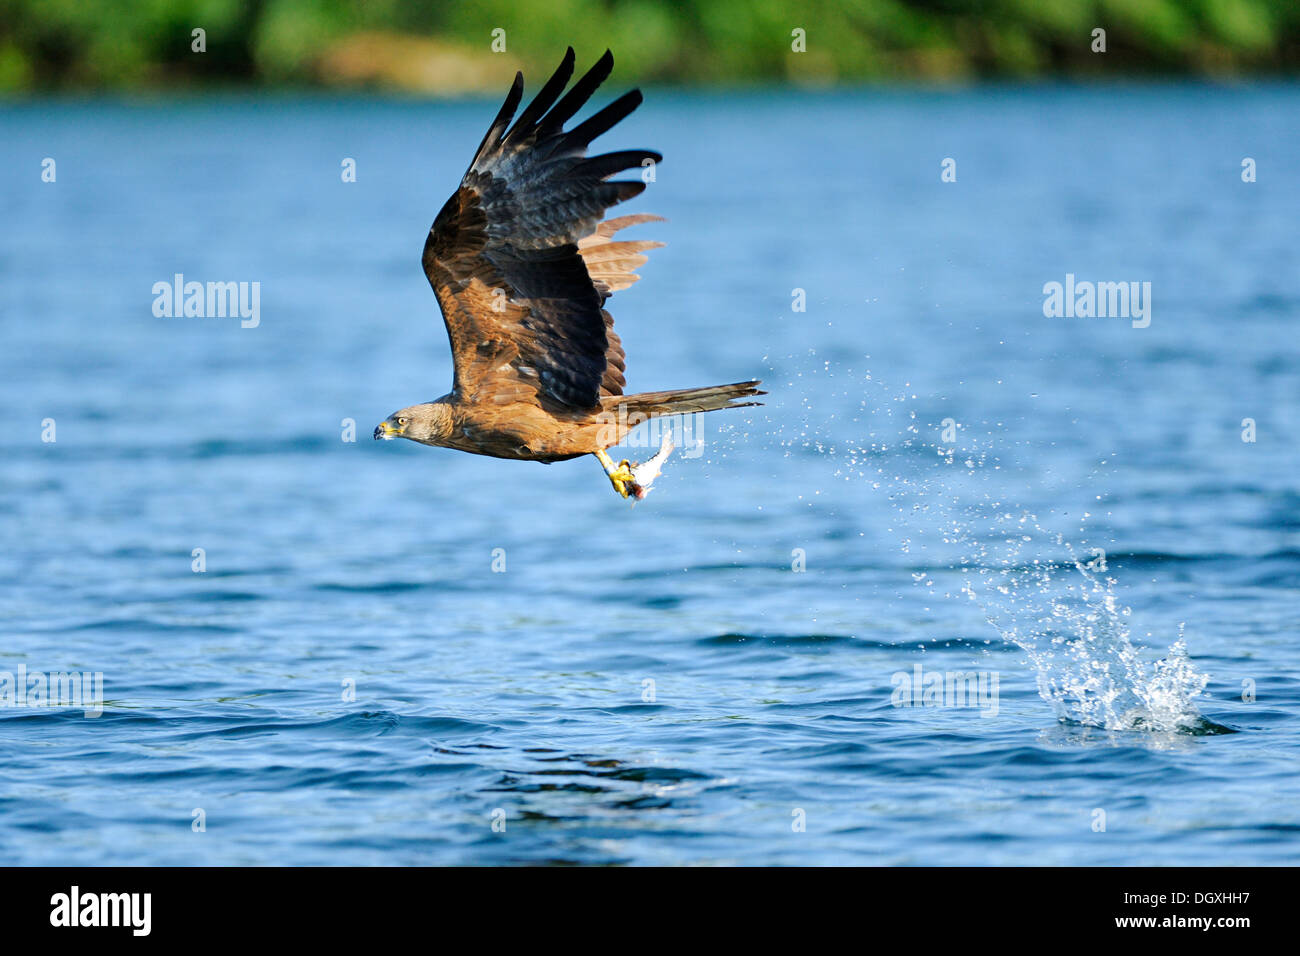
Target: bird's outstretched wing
[520,260]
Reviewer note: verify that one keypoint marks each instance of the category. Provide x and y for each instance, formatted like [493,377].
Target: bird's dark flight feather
[520,302]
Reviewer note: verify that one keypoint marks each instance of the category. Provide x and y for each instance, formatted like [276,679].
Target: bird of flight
[522,265]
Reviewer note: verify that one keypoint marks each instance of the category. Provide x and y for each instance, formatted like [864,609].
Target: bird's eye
[402,421]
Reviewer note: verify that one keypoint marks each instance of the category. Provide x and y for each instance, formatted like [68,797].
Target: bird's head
[429,424]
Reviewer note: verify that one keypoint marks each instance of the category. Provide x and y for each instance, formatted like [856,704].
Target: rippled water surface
[711,676]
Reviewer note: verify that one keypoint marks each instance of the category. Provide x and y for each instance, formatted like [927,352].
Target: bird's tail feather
[685,401]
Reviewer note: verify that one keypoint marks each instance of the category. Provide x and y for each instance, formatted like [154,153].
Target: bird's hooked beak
[386,431]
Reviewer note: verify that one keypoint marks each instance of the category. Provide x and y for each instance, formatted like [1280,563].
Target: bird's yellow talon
[622,478]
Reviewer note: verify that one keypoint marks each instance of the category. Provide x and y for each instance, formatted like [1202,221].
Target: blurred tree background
[448,47]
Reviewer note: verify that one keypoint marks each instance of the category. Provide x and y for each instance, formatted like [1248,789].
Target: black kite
[522,265]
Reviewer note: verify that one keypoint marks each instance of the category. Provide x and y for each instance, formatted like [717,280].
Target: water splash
[1030,582]
[1068,620]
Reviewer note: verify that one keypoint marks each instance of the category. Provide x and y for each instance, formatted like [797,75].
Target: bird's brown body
[531,432]
[522,266]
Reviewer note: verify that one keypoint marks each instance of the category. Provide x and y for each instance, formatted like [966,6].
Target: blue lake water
[718,674]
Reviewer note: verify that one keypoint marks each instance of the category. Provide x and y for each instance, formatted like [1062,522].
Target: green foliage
[116,43]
